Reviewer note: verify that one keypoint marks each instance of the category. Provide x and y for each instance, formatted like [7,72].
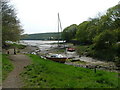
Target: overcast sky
[40,16]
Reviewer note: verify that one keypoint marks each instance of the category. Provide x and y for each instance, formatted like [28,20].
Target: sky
[40,16]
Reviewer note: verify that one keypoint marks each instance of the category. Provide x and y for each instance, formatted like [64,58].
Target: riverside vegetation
[48,74]
[98,37]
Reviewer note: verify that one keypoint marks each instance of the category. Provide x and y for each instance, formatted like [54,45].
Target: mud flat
[81,61]
[76,60]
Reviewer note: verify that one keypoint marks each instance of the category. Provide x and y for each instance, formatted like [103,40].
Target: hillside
[41,36]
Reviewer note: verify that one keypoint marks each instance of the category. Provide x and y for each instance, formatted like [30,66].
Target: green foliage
[7,66]
[104,45]
[11,28]
[107,54]
[114,14]
[82,33]
[69,32]
[117,58]
[117,31]
[48,74]
[105,40]
[103,33]
[88,30]
[92,29]
[81,49]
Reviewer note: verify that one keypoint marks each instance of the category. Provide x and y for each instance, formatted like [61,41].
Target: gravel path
[13,80]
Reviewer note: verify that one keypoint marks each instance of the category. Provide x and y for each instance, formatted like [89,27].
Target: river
[42,45]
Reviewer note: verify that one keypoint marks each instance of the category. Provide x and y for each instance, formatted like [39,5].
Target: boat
[70,49]
[57,58]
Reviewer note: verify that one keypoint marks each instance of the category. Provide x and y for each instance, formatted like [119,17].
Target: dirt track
[13,80]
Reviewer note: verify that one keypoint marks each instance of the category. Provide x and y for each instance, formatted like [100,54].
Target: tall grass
[102,54]
[7,66]
[48,74]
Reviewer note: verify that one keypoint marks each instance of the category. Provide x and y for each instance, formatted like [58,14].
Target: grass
[7,66]
[101,54]
[48,74]
[58,50]
[83,49]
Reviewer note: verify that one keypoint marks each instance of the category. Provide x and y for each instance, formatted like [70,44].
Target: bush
[105,40]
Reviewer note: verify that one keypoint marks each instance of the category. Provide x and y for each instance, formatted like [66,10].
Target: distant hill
[41,36]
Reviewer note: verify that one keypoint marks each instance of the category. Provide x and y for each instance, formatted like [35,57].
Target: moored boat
[70,49]
[57,58]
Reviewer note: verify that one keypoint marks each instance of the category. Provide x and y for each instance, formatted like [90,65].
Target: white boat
[57,58]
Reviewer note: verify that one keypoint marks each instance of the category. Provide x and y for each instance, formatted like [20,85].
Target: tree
[114,15]
[11,29]
[69,32]
[92,29]
[82,34]
[105,40]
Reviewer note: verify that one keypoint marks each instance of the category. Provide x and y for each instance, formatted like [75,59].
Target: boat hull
[71,49]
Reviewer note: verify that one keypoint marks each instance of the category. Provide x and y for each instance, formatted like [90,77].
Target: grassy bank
[6,66]
[48,74]
[83,49]
[102,54]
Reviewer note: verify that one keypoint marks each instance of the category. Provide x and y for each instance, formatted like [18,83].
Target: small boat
[57,58]
[70,49]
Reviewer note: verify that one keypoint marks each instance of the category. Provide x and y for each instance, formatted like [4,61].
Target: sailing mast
[59,25]
[58,29]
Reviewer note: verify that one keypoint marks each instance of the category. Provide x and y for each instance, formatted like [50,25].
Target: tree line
[102,32]
[41,36]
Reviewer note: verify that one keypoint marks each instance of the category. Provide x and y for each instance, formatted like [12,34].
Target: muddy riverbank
[44,48]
